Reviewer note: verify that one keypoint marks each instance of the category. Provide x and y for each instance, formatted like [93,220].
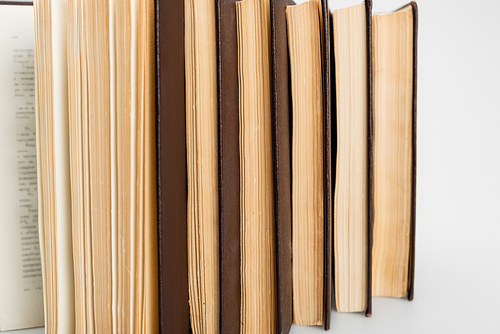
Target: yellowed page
[53,143]
[201,141]
[392,155]
[258,257]
[350,228]
[304,40]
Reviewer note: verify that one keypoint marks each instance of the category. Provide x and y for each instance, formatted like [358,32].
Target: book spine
[17,3]
[370,203]
[411,276]
[229,167]
[171,168]
[327,163]
[281,122]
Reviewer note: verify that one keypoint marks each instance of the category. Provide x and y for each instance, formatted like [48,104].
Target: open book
[95,112]
[21,303]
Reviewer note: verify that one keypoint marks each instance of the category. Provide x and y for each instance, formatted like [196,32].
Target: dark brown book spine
[229,167]
[281,122]
[411,276]
[171,168]
[368,5]
[333,125]
[327,163]
[17,3]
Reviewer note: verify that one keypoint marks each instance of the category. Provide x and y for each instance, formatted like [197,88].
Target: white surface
[458,191]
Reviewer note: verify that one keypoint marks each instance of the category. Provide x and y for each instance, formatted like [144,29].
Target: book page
[21,300]
[65,281]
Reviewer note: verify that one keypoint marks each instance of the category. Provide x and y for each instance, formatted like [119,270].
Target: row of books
[204,166]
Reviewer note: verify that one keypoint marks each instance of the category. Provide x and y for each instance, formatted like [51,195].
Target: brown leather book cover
[172,168]
[411,276]
[229,167]
[368,5]
[281,128]
[333,141]
[328,162]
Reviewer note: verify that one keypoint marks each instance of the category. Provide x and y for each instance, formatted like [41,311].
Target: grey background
[458,184]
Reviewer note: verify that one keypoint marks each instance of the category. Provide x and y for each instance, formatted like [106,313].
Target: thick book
[310,133]
[21,298]
[394,150]
[312,20]
[352,123]
[258,241]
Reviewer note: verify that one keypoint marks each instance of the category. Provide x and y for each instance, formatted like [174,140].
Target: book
[309,53]
[394,155]
[202,165]
[308,138]
[95,135]
[257,228]
[21,298]
[353,202]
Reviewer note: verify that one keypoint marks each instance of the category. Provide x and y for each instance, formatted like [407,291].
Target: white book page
[21,299]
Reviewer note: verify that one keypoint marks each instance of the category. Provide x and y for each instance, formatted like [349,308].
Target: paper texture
[21,300]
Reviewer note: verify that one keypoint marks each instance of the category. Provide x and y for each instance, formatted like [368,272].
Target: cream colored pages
[112,108]
[64,253]
[150,317]
[52,142]
[392,154]
[21,299]
[136,272]
[66,292]
[351,188]
[304,41]
[258,256]
[125,149]
[201,141]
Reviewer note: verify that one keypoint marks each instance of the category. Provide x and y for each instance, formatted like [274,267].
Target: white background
[458,185]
